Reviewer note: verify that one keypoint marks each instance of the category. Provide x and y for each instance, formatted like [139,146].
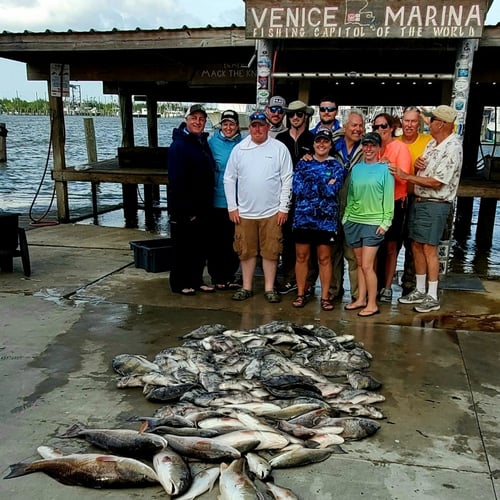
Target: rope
[39,221]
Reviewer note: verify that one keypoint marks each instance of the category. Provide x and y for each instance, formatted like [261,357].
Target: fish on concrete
[173,473]
[91,471]
[206,449]
[203,481]
[120,441]
[234,483]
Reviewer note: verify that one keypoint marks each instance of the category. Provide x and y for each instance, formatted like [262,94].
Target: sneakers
[309,292]
[287,287]
[386,295]
[414,297]
[428,304]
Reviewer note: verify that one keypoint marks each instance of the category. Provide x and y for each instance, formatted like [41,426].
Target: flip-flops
[347,308]
[367,315]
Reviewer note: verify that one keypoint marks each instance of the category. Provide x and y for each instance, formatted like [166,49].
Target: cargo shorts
[262,237]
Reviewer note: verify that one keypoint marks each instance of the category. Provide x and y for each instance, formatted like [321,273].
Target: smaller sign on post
[59,80]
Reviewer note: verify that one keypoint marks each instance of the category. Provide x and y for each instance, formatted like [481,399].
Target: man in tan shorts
[257,183]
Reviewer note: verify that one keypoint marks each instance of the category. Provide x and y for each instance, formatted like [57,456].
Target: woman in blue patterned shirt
[316,184]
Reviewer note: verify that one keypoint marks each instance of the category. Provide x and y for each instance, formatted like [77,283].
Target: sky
[102,15]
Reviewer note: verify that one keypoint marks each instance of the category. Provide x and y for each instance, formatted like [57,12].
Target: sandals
[242,294]
[272,297]
[326,305]
[206,289]
[300,301]
[187,291]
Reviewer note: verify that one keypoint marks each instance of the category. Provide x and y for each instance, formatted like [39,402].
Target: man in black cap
[190,195]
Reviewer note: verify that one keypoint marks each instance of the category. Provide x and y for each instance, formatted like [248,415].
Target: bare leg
[302,255]
[361,300]
[247,272]
[419,258]
[325,269]
[390,262]
[432,261]
[269,267]
[368,259]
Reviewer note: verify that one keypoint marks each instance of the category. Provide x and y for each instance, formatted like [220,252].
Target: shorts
[427,221]
[313,237]
[395,232]
[262,237]
[362,235]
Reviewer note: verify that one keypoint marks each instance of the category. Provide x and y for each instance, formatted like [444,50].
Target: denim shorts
[362,235]
[427,221]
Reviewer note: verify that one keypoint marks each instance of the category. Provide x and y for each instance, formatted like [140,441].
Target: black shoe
[309,292]
[287,287]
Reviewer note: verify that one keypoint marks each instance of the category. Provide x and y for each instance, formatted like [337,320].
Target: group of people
[311,198]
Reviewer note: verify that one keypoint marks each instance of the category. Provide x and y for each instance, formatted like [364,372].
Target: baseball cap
[323,133]
[195,108]
[257,116]
[230,115]
[277,100]
[444,113]
[372,138]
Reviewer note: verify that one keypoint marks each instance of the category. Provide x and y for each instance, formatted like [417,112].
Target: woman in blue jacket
[223,262]
[316,184]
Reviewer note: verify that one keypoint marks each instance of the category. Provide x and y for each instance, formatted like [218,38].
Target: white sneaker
[386,295]
[427,305]
[414,297]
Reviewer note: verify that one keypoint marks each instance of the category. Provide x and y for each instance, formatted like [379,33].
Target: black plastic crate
[155,256]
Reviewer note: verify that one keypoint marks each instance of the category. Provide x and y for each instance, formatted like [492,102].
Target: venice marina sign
[365,19]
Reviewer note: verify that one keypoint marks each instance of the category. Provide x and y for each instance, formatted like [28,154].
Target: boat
[143,113]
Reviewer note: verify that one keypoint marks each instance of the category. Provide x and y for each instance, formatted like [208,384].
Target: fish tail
[74,430]
[16,470]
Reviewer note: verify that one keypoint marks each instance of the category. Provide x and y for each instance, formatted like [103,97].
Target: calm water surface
[22,176]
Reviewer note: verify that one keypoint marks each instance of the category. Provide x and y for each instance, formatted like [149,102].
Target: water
[27,145]
[27,149]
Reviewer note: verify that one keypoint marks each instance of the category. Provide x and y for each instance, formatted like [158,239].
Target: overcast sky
[82,15]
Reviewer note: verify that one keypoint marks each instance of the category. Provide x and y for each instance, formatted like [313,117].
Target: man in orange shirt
[416,142]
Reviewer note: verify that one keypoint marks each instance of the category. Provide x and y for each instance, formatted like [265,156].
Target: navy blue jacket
[191,169]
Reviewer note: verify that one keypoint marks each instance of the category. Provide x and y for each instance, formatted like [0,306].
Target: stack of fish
[280,395]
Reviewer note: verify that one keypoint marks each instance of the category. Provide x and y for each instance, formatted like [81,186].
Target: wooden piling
[88,125]
[3,142]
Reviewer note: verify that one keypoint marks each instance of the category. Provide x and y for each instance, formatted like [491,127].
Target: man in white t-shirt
[257,183]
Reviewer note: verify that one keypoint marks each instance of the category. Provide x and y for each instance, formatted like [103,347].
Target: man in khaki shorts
[257,183]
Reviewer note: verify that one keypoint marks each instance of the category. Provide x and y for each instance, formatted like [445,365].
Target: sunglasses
[276,109]
[324,109]
[382,125]
[299,114]
[434,119]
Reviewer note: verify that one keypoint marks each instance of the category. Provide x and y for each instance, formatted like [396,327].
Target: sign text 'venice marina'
[365,19]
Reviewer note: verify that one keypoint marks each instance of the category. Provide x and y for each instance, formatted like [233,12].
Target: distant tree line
[91,106]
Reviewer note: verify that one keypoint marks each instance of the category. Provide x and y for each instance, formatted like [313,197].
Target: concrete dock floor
[86,302]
